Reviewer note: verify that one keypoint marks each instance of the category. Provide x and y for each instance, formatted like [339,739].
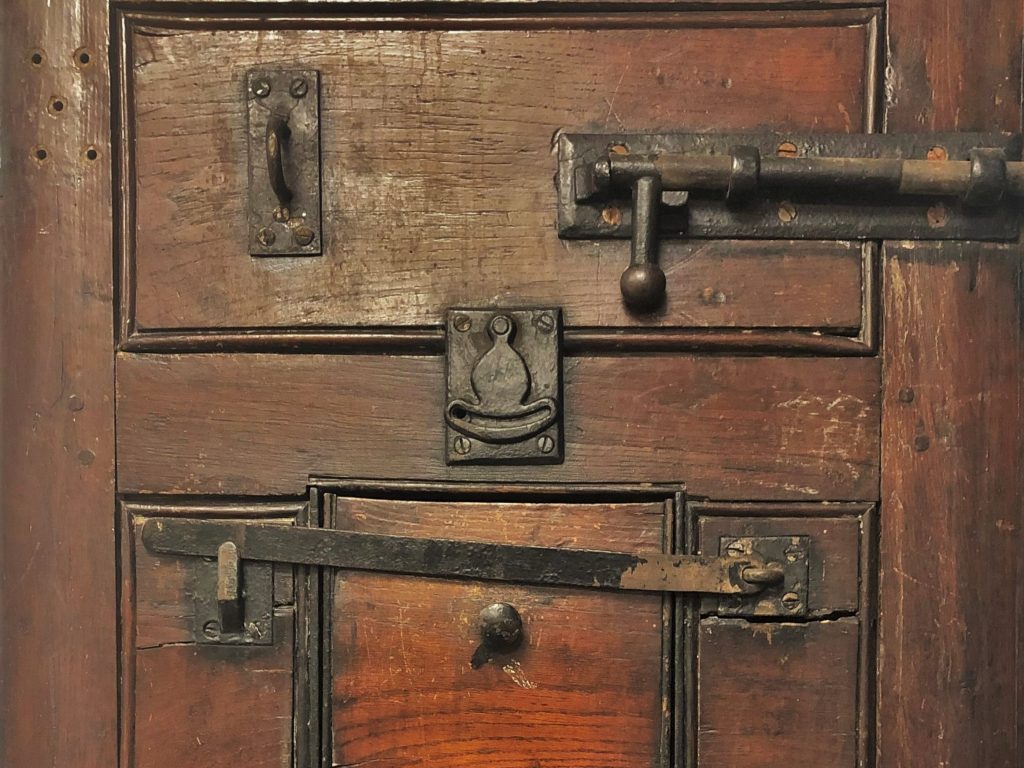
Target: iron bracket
[781,598]
[233,598]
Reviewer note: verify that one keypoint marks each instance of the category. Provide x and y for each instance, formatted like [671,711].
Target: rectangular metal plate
[817,216]
[788,597]
[296,230]
[504,386]
[257,606]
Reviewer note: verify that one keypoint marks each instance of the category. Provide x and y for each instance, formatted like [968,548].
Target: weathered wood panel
[951,550]
[773,428]
[58,644]
[438,165]
[585,688]
[778,694]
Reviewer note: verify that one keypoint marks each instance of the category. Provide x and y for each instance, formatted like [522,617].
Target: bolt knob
[643,287]
[501,627]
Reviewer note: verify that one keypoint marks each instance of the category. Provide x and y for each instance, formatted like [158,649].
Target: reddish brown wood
[778,694]
[584,688]
[437,157]
[951,588]
[58,643]
[772,428]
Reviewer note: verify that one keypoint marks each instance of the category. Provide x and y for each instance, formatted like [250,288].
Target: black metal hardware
[284,162]
[780,597]
[783,186]
[233,599]
[503,403]
[501,627]
[441,558]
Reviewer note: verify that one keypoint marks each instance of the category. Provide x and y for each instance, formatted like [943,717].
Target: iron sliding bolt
[441,558]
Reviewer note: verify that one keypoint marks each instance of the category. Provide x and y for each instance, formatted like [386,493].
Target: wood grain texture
[951,550]
[954,65]
[833,584]
[437,165]
[731,428]
[585,688]
[778,694]
[58,644]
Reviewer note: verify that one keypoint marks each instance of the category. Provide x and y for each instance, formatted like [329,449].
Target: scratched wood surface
[778,694]
[437,166]
[584,689]
[58,643]
[731,428]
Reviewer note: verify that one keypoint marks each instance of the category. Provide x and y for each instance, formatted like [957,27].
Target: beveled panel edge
[126,15]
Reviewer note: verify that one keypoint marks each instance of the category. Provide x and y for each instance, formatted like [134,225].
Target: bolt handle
[501,628]
[278,134]
[643,282]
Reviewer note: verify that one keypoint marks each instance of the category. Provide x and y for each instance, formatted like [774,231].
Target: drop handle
[278,134]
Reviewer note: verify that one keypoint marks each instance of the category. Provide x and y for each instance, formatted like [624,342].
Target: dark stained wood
[58,604]
[730,428]
[437,154]
[834,556]
[585,688]
[950,667]
[778,694]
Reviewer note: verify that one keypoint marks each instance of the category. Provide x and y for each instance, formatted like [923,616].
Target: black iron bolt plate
[270,234]
[815,215]
[481,372]
[786,598]
[258,604]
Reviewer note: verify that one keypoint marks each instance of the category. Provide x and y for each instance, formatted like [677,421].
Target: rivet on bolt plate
[261,89]
[461,445]
[791,600]
[211,630]
[545,443]
[303,235]
[266,237]
[299,87]
[462,323]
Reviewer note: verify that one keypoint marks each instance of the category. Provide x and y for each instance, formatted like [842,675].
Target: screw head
[462,323]
[282,214]
[462,445]
[261,88]
[544,322]
[735,549]
[791,600]
[211,630]
[299,87]
[303,235]
[794,553]
[266,237]
[545,443]
[787,212]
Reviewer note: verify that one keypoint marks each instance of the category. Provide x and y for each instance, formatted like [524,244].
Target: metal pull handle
[278,134]
[442,558]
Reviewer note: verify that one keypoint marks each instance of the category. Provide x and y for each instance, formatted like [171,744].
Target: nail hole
[37,58]
[40,153]
[82,57]
[937,216]
[90,153]
[57,105]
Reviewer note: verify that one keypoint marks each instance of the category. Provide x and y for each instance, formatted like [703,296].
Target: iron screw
[211,630]
[736,549]
[303,235]
[794,553]
[266,237]
[261,89]
[791,600]
[462,323]
[282,214]
[462,445]
[299,87]
[545,443]
[544,322]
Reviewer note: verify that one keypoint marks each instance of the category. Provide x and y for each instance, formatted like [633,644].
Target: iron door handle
[278,134]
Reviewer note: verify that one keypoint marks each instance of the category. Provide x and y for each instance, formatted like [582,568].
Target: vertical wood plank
[951,495]
[58,695]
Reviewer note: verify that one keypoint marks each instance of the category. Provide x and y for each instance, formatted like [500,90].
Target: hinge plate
[787,597]
[796,214]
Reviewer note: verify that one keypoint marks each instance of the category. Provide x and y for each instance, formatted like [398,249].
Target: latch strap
[443,558]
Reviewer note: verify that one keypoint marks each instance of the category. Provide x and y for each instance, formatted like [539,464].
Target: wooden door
[840,412]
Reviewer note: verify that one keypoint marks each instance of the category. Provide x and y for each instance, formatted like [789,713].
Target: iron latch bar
[442,558]
[646,186]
